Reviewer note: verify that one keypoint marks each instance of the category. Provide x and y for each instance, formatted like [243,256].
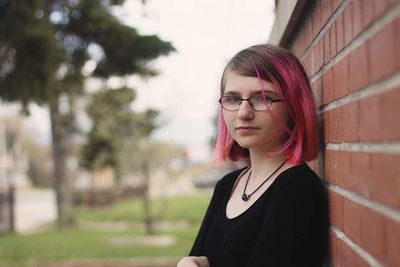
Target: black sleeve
[295,230]
[197,249]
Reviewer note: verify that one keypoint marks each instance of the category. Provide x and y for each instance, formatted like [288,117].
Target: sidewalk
[33,209]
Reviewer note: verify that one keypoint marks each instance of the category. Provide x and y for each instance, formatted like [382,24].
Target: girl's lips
[246,130]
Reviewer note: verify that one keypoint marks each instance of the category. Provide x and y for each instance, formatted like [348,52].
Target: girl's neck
[262,165]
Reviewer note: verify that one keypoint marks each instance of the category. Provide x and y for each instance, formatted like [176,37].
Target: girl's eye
[258,98]
[232,99]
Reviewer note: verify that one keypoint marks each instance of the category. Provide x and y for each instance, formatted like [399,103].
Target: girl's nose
[245,112]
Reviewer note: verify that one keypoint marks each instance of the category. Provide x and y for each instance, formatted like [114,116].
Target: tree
[44,45]
[119,138]
[115,127]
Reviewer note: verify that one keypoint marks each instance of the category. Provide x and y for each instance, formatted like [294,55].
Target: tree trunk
[62,179]
[148,218]
[118,173]
[11,202]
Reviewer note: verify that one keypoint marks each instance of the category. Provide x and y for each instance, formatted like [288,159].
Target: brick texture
[353,57]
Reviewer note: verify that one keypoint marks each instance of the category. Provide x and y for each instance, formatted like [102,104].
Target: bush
[106,196]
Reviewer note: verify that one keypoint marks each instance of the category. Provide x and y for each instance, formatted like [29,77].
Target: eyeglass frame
[251,104]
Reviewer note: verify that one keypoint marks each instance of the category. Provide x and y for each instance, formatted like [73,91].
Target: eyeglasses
[257,103]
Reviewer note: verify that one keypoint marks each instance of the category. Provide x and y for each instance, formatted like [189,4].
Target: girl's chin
[249,145]
[254,142]
[258,146]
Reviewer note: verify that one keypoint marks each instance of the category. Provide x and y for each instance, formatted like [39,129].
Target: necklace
[245,196]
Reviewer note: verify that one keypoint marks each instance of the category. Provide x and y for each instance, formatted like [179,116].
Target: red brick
[358,68]
[397,41]
[336,209]
[358,261]
[341,78]
[390,115]
[385,179]
[343,177]
[382,6]
[311,164]
[345,254]
[350,122]
[298,45]
[369,114]
[327,45]
[319,55]
[346,257]
[330,166]
[360,170]
[316,18]
[322,52]
[348,24]
[332,248]
[319,164]
[335,129]
[379,8]
[303,61]
[293,47]
[317,90]
[380,53]
[327,87]
[325,126]
[326,11]
[357,17]
[312,60]
[352,220]
[373,232]
[368,12]
[335,4]
[393,243]
[308,33]
[332,38]
[339,33]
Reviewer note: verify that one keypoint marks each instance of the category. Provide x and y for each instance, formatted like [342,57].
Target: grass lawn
[182,214]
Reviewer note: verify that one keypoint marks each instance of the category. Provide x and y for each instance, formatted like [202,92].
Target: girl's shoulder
[229,179]
[299,179]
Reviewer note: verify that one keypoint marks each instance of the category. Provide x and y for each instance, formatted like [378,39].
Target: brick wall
[351,51]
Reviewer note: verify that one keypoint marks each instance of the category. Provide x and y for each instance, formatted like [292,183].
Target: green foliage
[28,53]
[115,127]
[44,45]
[125,50]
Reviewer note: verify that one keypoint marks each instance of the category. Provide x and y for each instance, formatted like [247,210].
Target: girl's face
[254,129]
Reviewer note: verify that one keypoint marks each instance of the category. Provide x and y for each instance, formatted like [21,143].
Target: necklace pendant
[245,197]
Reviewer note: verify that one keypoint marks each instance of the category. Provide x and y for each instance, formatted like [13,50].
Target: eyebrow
[252,92]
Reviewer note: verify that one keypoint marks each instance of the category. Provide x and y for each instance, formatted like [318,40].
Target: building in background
[13,172]
[14,163]
[350,50]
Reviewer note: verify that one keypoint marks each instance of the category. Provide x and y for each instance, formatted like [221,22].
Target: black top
[286,226]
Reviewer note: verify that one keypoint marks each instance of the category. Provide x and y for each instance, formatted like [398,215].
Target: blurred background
[107,119]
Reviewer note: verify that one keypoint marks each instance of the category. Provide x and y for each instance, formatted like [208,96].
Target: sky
[206,34]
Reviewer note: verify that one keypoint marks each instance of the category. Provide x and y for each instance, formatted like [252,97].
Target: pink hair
[285,72]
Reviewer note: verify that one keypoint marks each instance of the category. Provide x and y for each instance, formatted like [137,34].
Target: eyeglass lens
[256,102]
